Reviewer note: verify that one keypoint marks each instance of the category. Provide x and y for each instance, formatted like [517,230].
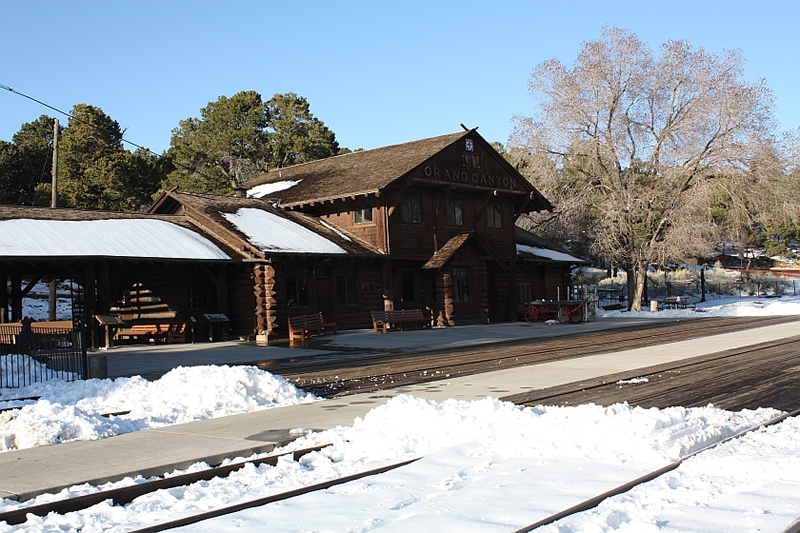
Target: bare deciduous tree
[641,141]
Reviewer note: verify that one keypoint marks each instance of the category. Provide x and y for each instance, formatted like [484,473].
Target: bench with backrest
[385,321]
[301,327]
[170,333]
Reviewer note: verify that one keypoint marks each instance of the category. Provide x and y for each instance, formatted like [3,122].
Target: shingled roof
[352,174]
[214,213]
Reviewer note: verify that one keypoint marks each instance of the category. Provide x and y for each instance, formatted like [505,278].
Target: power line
[123,139]
[71,116]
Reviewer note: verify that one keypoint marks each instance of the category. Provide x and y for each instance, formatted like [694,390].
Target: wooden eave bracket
[398,197]
[447,194]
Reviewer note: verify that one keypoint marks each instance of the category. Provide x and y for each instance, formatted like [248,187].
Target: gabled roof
[41,233]
[371,171]
[531,247]
[444,254]
[356,173]
[258,228]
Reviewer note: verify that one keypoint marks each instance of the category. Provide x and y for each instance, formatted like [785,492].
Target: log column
[16,296]
[444,299]
[266,304]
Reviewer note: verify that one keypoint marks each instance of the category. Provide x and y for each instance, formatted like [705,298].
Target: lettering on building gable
[471,178]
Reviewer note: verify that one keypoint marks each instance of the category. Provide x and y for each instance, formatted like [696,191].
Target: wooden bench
[169,333]
[301,327]
[385,321]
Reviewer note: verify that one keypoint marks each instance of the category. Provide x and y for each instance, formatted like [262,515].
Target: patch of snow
[632,381]
[546,253]
[273,233]
[336,230]
[147,238]
[260,191]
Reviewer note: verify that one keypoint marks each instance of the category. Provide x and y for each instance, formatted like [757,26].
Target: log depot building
[428,224]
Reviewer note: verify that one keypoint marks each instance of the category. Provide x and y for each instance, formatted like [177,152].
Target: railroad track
[121,496]
[731,369]
[342,377]
[761,375]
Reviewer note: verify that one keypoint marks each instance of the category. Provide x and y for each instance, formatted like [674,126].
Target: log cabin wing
[144,268]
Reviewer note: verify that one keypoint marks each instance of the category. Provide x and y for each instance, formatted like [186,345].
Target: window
[346,287]
[460,284]
[494,215]
[412,208]
[525,292]
[455,212]
[199,297]
[362,212]
[297,287]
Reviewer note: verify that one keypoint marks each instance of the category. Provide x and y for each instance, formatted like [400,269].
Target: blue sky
[376,73]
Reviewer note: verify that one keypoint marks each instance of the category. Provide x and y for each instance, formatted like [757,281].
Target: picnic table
[677,302]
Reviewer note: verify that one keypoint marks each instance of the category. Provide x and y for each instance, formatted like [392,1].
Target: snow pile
[488,466]
[408,426]
[18,368]
[69,411]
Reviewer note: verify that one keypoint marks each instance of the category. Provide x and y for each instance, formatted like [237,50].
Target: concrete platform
[149,360]
[27,473]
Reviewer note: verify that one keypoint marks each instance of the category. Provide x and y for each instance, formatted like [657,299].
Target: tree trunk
[631,281]
[641,277]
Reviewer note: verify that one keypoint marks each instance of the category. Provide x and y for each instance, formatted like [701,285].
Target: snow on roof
[260,191]
[273,233]
[546,253]
[146,238]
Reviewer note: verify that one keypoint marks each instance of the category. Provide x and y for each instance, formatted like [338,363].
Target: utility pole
[53,297]
[54,191]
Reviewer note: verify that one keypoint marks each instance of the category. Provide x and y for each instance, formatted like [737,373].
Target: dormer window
[362,211]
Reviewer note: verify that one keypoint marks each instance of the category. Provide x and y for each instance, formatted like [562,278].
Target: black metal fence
[616,297]
[29,354]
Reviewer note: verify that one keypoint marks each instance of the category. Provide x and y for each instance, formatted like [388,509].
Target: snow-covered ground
[485,465]
[70,411]
[729,306]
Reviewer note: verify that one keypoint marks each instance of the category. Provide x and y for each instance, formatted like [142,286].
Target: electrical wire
[123,139]
[71,116]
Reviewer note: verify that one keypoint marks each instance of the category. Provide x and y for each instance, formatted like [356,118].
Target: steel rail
[597,500]
[260,502]
[681,365]
[123,495]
